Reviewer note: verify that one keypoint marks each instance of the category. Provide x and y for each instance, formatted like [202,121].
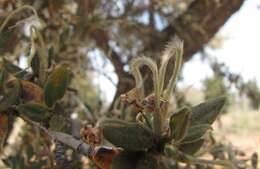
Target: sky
[240,51]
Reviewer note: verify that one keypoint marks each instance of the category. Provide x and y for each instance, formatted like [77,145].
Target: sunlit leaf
[195,133]
[56,85]
[179,123]
[207,112]
[129,136]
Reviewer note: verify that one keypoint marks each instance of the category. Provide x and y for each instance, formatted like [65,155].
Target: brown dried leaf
[103,156]
[30,91]
[91,135]
[3,125]
[132,98]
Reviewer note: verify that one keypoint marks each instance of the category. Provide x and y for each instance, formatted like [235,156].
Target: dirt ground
[242,129]
[240,126]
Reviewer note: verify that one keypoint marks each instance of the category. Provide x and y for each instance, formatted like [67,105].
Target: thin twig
[82,106]
[224,163]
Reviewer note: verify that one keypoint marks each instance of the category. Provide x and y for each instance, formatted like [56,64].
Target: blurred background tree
[117,30]
[76,32]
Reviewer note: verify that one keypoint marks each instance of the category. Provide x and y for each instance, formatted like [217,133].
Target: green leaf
[179,123]
[34,111]
[191,148]
[130,136]
[56,85]
[13,69]
[11,96]
[207,112]
[125,160]
[148,161]
[195,133]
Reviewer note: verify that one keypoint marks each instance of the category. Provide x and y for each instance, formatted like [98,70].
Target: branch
[66,139]
[101,37]
[195,27]
[125,80]
[200,23]
[72,142]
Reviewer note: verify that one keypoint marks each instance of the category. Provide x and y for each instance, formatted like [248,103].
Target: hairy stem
[167,55]
[169,52]
[136,64]
[135,68]
[177,66]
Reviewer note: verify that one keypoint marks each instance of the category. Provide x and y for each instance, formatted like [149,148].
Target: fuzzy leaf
[195,133]
[179,123]
[207,112]
[11,96]
[34,111]
[191,148]
[56,85]
[130,136]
